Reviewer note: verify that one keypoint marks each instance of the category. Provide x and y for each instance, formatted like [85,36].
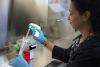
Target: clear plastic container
[28,51]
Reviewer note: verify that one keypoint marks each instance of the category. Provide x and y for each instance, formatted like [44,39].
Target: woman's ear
[86,16]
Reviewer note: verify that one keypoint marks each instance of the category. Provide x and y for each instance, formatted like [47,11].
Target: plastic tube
[23,44]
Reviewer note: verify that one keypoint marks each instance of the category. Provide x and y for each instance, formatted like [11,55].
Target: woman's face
[76,20]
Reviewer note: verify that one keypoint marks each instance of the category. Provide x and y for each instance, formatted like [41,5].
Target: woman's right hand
[37,32]
[39,36]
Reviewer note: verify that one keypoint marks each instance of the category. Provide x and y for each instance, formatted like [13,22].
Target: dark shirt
[85,54]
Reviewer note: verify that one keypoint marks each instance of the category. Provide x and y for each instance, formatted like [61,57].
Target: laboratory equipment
[28,48]
[23,43]
[37,32]
[4,12]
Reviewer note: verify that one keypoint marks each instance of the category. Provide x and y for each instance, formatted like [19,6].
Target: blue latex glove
[37,32]
[18,61]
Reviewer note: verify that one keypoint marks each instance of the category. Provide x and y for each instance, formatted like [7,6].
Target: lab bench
[44,59]
[56,63]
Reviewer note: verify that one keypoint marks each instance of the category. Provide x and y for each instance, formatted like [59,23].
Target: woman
[85,50]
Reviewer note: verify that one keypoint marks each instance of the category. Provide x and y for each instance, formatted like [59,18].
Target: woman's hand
[37,32]
[39,36]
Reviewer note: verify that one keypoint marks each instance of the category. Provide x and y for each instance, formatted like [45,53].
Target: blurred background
[51,15]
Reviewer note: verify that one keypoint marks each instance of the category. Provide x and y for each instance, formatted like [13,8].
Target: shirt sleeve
[60,53]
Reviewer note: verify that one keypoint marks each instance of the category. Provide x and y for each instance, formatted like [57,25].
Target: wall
[26,11]
[58,25]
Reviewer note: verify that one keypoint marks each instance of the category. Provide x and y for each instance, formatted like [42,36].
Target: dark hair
[94,7]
